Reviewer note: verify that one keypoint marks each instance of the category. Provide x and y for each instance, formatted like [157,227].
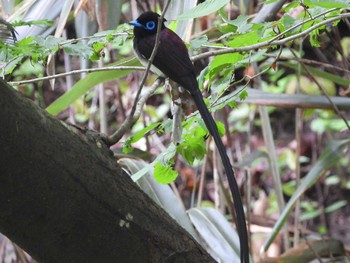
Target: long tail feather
[213,130]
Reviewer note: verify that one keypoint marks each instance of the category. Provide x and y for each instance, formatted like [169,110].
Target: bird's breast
[144,61]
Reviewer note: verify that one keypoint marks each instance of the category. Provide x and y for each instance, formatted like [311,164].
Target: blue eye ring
[150,25]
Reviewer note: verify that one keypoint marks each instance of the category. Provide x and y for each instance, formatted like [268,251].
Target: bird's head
[146,24]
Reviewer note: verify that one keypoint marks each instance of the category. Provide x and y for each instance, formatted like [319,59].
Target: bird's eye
[150,25]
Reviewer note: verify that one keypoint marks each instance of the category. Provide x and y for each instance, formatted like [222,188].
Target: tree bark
[63,198]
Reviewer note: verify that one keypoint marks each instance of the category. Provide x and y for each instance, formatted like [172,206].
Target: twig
[75,40]
[302,23]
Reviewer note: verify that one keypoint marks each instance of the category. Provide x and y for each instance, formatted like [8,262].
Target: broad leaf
[203,9]
[137,136]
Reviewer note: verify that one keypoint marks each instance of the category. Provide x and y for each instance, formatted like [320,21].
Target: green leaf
[327,4]
[221,128]
[173,25]
[289,188]
[290,6]
[80,49]
[310,215]
[192,145]
[51,43]
[166,159]
[25,41]
[267,2]
[87,83]
[335,206]
[225,59]
[164,174]
[243,95]
[332,180]
[137,136]
[247,39]
[232,104]
[222,61]
[203,9]
[198,42]
[241,22]
[314,38]
[329,209]
[287,21]
[318,126]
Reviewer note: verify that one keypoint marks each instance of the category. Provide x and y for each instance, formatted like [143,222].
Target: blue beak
[135,23]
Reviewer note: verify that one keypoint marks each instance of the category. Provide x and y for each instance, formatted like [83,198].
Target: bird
[172,61]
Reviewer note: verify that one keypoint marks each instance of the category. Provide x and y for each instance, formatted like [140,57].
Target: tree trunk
[63,198]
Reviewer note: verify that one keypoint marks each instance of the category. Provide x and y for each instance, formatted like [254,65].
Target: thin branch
[17,83]
[311,62]
[269,42]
